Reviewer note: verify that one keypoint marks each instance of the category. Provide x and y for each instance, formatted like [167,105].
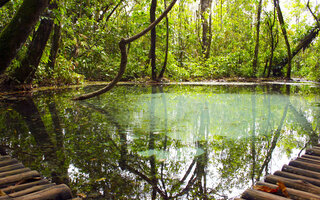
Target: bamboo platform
[20,183]
[301,178]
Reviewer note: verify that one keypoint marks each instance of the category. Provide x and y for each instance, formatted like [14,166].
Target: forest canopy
[71,41]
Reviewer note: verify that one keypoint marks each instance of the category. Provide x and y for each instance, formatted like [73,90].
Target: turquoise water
[144,142]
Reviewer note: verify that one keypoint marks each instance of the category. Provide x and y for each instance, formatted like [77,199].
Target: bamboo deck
[20,183]
[301,177]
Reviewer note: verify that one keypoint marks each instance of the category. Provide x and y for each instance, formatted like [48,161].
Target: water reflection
[174,142]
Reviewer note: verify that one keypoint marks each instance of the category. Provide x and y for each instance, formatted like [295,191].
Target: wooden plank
[314,152]
[311,157]
[308,160]
[11,167]
[54,193]
[294,184]
[8,162]
[294,194]
[16,171]
[4,158]
[30,190]
[304,165]
[17,188]
[19,177]
[298,177]
[251,194]
[302,172]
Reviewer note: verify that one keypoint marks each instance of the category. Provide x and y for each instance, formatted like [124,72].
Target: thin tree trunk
[54,46]
[29,65]
[152,54]
[167,45]
[17,31]
[205,7]
[284,32]
[124,58]
[256,49]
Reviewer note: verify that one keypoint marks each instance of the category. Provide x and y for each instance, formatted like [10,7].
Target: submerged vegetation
[75,41]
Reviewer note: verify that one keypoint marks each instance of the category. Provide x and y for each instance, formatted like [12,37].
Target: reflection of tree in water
[104,155]
[52,153]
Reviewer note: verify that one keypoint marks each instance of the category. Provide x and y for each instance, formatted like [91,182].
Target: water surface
[144,142]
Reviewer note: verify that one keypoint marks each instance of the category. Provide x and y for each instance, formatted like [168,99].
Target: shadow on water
[172,142]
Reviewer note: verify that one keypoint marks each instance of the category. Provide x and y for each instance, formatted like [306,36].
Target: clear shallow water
[185,142]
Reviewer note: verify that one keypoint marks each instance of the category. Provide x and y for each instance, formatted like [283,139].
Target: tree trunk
[167,45]
[54,46]
[29,65]
[152,54]
[17,31]
[124,57]
[256,49]
[303,44]
[284,32]
[205,8]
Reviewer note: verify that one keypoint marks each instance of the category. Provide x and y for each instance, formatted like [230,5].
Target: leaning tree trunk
[284,32]
[152,54]
[124,57]
[256,50]
[54,46]
[29,65]
[303,44]
[17,31]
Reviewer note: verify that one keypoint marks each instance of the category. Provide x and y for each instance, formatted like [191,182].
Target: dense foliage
[89,31]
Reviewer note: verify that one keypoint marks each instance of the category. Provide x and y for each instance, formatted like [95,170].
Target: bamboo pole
[13,172]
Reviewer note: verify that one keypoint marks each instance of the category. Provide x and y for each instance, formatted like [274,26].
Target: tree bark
[256,49]
[303,44]
[205,8]
[29,65]
[152,54]
[167,45]
[284,32]
[54,46]
[124,58]
[17,31]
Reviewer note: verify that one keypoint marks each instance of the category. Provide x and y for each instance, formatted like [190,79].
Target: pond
[160,142]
